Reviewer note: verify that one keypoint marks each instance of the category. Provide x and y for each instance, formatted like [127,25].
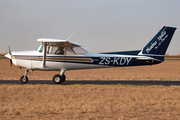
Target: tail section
[157,47]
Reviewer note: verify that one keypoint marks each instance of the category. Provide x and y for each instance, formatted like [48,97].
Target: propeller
[10,57]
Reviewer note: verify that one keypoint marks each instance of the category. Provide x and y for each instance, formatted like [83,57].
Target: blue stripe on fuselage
[107,61]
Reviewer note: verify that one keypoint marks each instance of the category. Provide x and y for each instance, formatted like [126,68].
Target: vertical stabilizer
[159,44]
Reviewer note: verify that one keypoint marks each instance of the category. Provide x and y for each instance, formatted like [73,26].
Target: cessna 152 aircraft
[62,55]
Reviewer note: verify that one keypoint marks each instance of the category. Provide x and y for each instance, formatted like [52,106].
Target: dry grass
[89,102]
[2,54]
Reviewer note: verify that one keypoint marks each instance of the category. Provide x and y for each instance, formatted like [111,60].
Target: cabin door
[56,58]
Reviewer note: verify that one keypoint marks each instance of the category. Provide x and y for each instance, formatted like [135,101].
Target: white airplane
[62,55]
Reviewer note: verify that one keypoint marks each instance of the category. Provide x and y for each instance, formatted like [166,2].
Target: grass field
[2,57]
[91,101]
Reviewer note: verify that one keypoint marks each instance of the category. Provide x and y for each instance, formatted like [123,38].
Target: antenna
[70,36]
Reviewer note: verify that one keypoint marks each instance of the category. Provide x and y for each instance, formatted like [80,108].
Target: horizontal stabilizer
[148,59]
[145,58]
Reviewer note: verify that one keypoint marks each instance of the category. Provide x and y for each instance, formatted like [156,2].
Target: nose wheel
[24,78]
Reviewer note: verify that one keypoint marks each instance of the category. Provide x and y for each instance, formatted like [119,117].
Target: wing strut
[44,55]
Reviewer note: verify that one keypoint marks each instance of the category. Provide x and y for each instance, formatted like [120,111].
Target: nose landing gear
[24,78]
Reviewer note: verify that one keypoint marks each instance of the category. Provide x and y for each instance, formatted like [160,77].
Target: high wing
[55,42]
[58,42]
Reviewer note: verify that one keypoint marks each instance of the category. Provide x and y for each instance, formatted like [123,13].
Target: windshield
[39,48]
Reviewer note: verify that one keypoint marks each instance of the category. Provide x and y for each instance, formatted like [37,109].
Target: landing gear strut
[57,79]
[24,78]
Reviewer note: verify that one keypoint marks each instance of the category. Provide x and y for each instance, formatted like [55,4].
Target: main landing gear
[57,79]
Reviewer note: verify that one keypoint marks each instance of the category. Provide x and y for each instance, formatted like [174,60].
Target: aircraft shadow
[95,82]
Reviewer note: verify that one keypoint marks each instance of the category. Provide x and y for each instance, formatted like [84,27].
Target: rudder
[159,44]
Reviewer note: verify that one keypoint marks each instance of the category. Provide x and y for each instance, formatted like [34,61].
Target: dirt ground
[91,101]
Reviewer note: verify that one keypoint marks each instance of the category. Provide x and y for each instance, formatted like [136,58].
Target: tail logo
[151,47]
[160,38]
[158,43]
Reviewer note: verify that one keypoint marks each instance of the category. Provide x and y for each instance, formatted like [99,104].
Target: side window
[79,50]
[58,50]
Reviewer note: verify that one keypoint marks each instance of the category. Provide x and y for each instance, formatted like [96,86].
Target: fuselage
[70,61]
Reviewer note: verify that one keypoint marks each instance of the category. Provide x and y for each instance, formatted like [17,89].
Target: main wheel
[24,79]
[57,79]
[63,78]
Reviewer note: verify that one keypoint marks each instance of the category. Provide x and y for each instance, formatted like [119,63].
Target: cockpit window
[39,48]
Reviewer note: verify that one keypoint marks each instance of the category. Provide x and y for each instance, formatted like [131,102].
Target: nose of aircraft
[8,56]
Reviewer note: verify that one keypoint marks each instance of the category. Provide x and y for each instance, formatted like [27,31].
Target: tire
[24,80]
[63,78]
[57,79]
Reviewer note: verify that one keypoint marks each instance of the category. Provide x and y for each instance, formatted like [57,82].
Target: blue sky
[100,26]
